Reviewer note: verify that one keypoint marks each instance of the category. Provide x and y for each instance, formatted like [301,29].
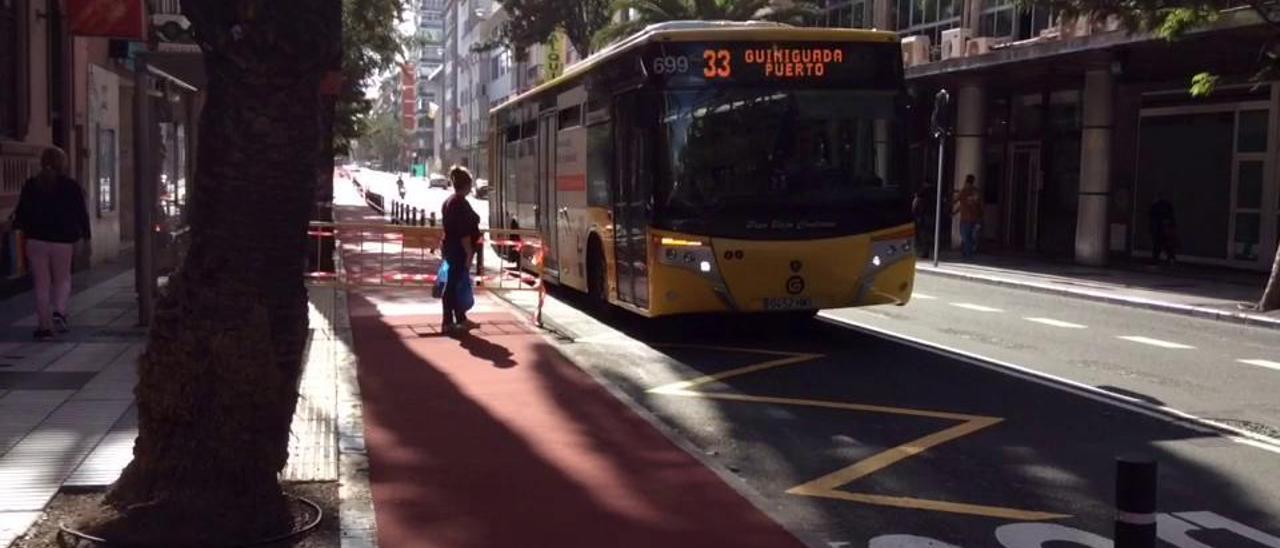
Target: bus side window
[599,164]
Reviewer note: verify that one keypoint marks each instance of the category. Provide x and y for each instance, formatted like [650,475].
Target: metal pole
[937,203]
[1135,502]
[941,123]
[143,196]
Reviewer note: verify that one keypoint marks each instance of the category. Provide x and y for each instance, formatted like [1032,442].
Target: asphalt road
[853,438]
[1217,370]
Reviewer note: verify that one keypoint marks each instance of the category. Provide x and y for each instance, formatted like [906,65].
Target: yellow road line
[889,457]
[828,486]
[685,385]
[934,505]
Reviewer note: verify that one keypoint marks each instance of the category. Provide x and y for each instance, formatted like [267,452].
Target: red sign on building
[409,97]
[126,19]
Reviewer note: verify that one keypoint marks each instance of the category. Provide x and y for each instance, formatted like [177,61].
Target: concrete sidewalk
[1212,293]
[67,414]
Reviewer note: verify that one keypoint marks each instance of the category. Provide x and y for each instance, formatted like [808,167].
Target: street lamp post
[941,129]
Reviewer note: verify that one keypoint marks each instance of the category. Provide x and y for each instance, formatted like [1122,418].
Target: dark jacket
[52,211]
[460,223]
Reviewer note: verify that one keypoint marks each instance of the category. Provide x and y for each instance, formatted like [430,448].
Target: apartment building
[1074,128]
[430,33]
[475,81]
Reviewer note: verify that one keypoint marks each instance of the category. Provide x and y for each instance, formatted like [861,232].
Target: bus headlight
[885,253]
[696,258]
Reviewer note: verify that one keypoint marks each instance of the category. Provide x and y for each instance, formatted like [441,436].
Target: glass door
[1248,186]
[1025,183]
[547,199]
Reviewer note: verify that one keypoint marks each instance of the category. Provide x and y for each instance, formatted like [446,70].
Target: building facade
[430,35]
[474,81]
[1074,128]
[75,85]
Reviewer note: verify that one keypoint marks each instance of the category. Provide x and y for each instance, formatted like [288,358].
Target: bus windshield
[755,163]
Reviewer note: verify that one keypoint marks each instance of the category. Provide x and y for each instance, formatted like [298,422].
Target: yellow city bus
[716,167]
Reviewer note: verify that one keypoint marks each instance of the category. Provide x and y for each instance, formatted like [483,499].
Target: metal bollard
[1135,502]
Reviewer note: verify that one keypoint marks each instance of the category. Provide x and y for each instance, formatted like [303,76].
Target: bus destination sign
[757,62]
[793,62]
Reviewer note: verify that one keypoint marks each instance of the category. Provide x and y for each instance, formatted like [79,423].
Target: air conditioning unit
[1079,26]
[979,46]
[915,50]
[953,42]
[1111,24]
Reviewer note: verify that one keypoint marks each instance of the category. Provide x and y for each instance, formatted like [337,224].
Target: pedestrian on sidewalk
[461,239]
[52,216]
[1164,230]
[922,210]
[968,204]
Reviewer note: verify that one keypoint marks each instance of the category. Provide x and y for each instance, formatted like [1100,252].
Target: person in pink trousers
[53,216]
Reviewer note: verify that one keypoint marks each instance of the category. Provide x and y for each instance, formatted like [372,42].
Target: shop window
[1251,135]
[106,170]
[1187,159]
[11,84]
[1249,185]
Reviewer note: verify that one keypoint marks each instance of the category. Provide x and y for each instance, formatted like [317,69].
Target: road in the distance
[417,193]
[1213,369]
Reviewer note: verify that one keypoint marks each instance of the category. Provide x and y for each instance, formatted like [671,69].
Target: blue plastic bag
[442,277]
[466,297]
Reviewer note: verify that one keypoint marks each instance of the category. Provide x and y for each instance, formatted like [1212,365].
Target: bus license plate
[788,303]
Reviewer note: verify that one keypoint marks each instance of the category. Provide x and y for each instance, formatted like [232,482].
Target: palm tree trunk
[1271,295]
[218,381]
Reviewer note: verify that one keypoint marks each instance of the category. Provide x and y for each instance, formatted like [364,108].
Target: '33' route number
[719,63]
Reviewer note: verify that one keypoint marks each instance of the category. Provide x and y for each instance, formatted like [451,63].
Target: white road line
[1057,323]
[920,296]
[1156,342]
[1263,363]
[977,307]
[1167,414]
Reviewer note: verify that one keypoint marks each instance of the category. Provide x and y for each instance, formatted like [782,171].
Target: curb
[1244,318]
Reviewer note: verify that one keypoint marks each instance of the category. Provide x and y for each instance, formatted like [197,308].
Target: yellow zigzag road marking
[828,486]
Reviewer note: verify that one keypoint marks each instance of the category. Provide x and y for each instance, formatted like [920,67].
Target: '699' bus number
[671,64]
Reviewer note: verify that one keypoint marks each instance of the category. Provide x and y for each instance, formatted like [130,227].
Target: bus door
[547,202]
[631,200]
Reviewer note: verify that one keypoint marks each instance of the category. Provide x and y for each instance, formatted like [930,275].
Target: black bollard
[1135,502]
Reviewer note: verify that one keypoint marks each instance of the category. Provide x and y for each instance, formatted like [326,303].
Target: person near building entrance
[1163,226]
[922,210]
[52,216]
[461,236]
[968,205]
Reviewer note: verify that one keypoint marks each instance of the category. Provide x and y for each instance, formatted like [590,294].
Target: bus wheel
[597,277]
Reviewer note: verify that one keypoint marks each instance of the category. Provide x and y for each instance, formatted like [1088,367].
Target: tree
[648,12]
[370,45]
[532,22]
[218,380]
[1172,19]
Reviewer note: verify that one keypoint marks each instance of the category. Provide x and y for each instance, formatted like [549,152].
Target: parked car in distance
[482,188]
[437,181]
